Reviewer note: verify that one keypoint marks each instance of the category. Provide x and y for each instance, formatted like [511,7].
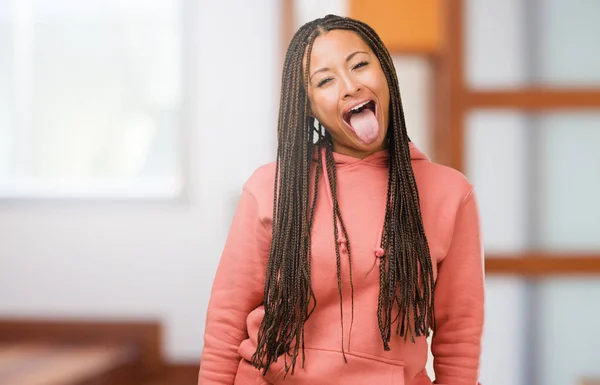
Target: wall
[150,258]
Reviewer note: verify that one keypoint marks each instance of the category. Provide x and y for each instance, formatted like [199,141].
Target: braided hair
[406,273]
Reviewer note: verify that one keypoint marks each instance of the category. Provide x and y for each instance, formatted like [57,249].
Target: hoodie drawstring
[378,249]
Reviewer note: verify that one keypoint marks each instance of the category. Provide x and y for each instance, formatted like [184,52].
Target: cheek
[384,92]
[323,105]
[377,83]
[383,87]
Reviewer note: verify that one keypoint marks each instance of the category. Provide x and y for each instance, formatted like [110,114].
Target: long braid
[337,213]
[409,272]
[331,175]
[406,273]
[288,294]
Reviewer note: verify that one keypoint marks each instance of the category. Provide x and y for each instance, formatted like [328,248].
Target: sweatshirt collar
[379,158]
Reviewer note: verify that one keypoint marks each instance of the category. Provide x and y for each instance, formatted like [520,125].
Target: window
[91,98]
[524,108]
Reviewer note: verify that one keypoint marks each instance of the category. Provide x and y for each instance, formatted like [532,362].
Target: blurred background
[128,127]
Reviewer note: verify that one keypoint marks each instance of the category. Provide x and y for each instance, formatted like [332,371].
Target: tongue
[365,125]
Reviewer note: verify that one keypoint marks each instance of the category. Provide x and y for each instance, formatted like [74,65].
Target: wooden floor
[87,352]
[44,364]
[178,375]
[24,363]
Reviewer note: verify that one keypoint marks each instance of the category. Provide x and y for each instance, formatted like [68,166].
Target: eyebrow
[347,60]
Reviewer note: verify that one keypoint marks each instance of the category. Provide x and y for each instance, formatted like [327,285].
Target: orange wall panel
[403,25]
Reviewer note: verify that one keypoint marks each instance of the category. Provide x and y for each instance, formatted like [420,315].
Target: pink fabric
[451,222]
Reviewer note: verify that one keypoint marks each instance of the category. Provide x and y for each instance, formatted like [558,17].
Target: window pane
[538,179]
[569,341]
[568,46]
[503,359]
[494,44]
[414,79]
[516,43]
[569,177]
[496,149]
[101,100]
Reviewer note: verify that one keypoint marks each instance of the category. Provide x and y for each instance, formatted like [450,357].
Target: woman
[337,273]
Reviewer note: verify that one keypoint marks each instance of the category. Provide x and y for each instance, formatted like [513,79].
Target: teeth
[359,106]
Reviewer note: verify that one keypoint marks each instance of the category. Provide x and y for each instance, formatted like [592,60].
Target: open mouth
[362,121]
[359,109]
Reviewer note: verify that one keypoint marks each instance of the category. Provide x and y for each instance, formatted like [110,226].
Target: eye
[323,82]
[361,64]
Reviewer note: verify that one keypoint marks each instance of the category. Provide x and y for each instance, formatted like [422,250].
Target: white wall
[308,10]
[157,259]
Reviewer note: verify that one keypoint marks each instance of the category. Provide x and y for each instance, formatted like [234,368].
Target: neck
[357,153]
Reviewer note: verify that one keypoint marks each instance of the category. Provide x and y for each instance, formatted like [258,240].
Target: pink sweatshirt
[450,218]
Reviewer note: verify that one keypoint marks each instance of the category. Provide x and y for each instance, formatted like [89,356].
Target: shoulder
[261,186]
[441,183]
[443,194]
[262,178]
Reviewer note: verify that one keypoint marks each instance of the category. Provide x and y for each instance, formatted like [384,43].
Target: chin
[376,145]
[358,146]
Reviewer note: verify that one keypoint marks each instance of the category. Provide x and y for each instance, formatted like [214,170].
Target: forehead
[335,46]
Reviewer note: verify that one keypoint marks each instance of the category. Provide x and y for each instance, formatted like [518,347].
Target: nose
[350,87]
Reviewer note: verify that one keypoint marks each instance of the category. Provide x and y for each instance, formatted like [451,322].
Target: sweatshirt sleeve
[237,290]
[459,300]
